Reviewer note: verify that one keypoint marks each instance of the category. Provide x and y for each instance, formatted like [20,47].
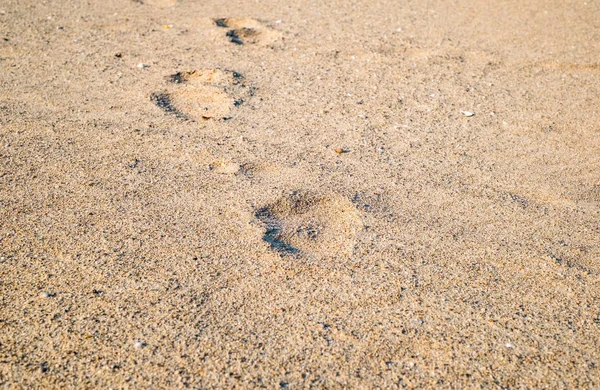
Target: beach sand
[278,194]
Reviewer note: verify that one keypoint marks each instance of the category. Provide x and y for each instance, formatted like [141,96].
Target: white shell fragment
[466,113]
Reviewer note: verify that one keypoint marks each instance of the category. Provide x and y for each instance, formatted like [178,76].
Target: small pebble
[141,65]
[466,113]
[46,295]
[340,151]
[139,345]
[509,345]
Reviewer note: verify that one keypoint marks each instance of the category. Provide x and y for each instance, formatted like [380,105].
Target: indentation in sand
[314,226]
[201,94]
[248,31]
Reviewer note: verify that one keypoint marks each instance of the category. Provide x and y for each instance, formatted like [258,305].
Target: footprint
[201,94]
[309,225]
[248,31]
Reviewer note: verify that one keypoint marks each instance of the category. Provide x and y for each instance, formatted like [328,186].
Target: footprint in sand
[201,94]
[248,31]
[309,225]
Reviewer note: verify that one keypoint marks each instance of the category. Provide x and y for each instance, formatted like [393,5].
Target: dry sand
[174,213]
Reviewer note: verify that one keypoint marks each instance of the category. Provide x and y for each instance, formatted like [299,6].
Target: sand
[206,194]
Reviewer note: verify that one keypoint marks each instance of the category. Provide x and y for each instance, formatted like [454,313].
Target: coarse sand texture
[348,194]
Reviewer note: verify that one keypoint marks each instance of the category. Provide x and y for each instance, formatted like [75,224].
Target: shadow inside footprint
[163,101]
[221,22]
[273,231]
[241,35]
